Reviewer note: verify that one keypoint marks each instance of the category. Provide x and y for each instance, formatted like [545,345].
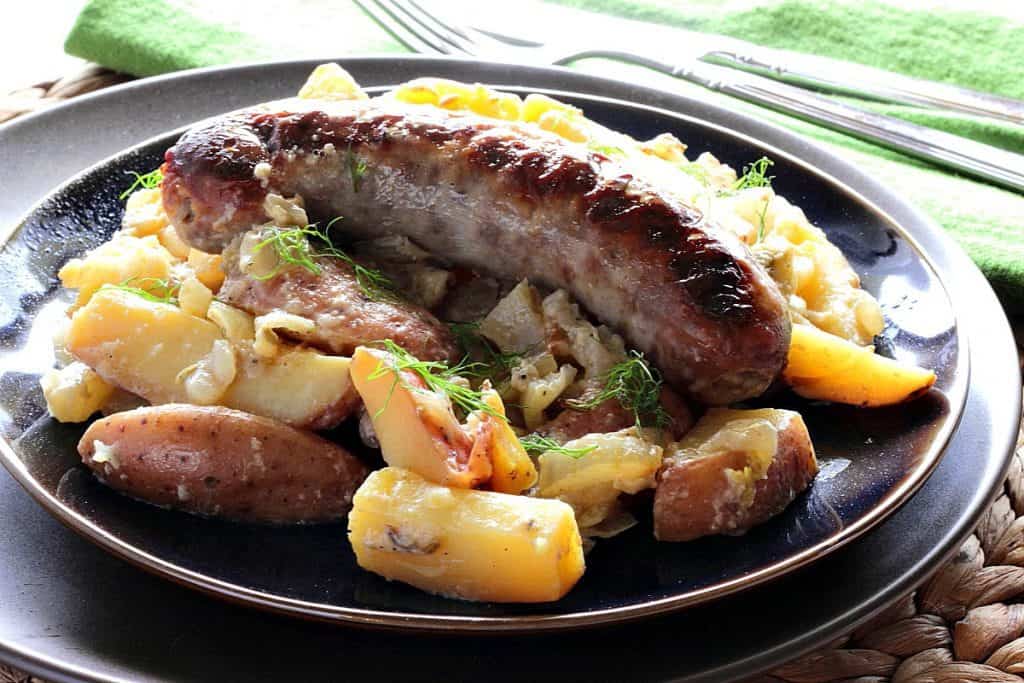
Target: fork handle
[953,151]
[850,79]
[945,149]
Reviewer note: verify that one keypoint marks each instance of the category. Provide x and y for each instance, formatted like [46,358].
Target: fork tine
[441,23]
[436,26]
[472,40]
[507,39]
[412,36]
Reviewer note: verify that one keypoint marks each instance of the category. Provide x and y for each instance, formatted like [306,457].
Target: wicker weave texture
[46,94]
[965,625]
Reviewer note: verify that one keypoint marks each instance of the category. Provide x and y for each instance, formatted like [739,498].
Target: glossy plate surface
[73,613]
[871,460]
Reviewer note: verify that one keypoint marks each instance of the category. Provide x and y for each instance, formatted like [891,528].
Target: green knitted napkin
[963,47]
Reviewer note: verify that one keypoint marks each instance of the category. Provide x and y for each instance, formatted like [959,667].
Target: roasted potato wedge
[826,367]
[331,82]
[73,393]
[139,345]
[619,462]
[513,470]
[158,351]
[734,470]
[122,259]
[416,427]
[214,461]
[144,213]
[473,545]
[301,387]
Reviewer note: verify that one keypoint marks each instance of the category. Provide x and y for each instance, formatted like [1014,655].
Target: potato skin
[219,462]
[695,498]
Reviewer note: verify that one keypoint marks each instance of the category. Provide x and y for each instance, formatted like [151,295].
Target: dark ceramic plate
[70,611]
[872,460]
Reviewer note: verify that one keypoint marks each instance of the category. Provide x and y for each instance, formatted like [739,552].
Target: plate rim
[892,501]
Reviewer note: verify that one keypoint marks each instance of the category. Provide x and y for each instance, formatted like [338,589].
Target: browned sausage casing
[345,316]
[510,200]
[611,416]
[215,461]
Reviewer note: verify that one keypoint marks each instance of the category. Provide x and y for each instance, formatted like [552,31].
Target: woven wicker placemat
[965,624]
[42,95]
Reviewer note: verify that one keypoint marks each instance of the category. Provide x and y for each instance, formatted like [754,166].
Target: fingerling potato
[219,462]
[301,387]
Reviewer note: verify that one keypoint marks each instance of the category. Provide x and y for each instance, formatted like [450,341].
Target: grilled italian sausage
[215,461]
[345,315]
[505,198]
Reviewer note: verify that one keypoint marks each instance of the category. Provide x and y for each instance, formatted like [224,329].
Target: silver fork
[424,31]
[816,73]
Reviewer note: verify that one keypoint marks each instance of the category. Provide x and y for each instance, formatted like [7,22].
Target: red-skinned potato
[215,461]
[733,471]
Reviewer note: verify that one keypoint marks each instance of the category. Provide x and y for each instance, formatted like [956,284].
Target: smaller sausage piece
[345,316]
[607,416]
[610,416]
[733,471]
[219,462]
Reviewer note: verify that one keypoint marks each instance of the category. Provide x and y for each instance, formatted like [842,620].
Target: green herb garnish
[374,284]
[150,288]
[144,180]
[637,388]
[607,150]
[356,169]
[503,361]
[293,248]
[761,227]
[467,334]
[755,175]
[437,376]
[535,444]
[493,363]
[696,171]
